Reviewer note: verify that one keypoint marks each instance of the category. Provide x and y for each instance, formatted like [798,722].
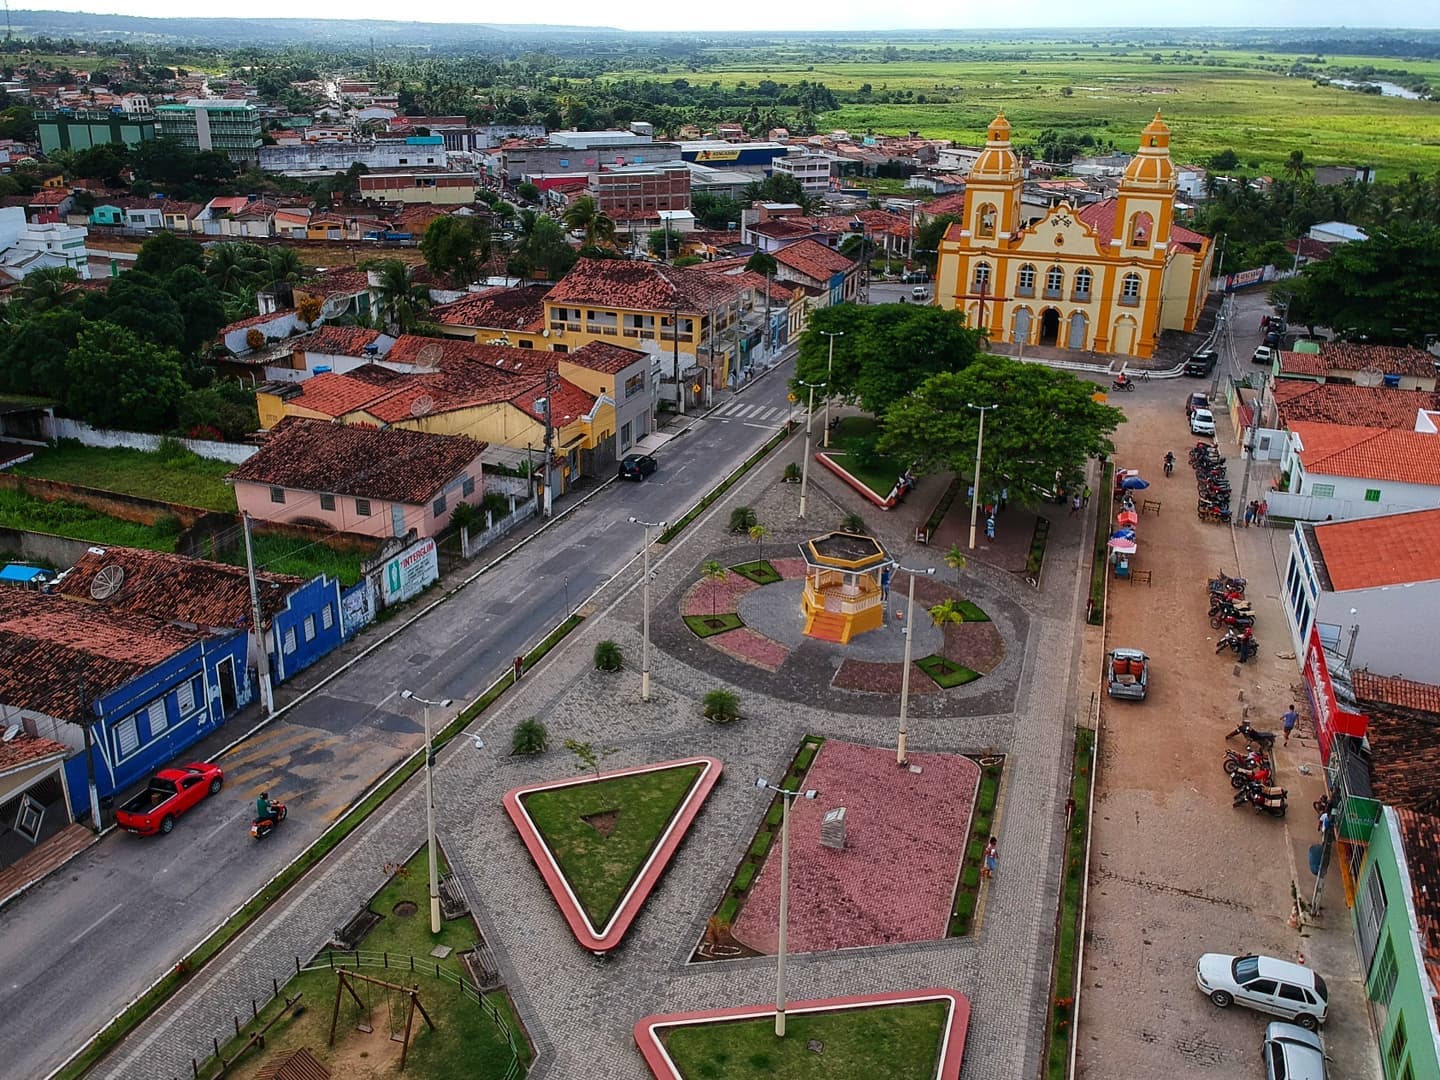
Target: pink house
[372,481]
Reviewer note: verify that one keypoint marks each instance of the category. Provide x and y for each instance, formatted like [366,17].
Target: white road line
[97,922]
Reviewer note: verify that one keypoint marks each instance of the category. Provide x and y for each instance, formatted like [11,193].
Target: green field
[177,477]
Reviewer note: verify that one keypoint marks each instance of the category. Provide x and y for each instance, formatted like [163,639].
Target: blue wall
[308,628]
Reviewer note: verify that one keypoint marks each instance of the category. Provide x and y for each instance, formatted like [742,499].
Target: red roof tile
[1370,553]
[1386,359]
[1300,400]
[786,228]
[1368,453]
[336,395]
[568,402]
[1420,833]
[497,309]
[813,259]
[394,465]
[1397,691]
[1100,216]
[638,286]
[337,283]
[337,340]
[49,197]
[952,205]
[1299,363]
[429,352]
[26,749]
[604,357]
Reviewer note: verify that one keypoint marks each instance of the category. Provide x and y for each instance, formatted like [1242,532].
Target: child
[992,854]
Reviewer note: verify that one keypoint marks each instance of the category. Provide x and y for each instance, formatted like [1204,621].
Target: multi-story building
[229,126]
[445,188]
[80,129]
[581,152]
[306,159]
[26,247]
[641,189]
[811,170]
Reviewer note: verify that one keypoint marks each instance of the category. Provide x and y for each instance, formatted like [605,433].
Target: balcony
[1025,290]
[1054,294]
[1080,297]
[1129,301]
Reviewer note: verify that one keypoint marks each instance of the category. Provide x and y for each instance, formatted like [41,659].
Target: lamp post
[786,798]
[645,603]
[909,631]
[979,446]
[809,423]
[426,705]
[829,376]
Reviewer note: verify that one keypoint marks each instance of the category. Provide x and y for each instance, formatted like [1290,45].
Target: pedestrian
[1075,506]
[1250,513]
[1004,497]
[885,585]
[1085,497]
[990,528]
[1262,511]
[1290,719]
[992,855]
[1325,822]
[519,667]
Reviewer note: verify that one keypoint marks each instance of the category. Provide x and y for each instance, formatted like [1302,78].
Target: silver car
[1292,1053]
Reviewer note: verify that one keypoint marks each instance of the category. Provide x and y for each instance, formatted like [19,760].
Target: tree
[456,247]
[929,235]
[529,737]
[607,656]
[283,265]
[119,380]
[1047,422]
[663,243]
[400,301]
[233,266]
[762,262]
[33,353]
[758,533]
[714,573]
[201,307]
[589,756]
[47,288]
[1296,167]
[528,191]
[545,249]
[162,254]
[955,557]
[947,613]
[721,707]
[1384,290]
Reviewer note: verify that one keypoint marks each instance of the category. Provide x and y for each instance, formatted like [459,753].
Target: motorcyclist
[263,812]
[1169,462]
[1121,379]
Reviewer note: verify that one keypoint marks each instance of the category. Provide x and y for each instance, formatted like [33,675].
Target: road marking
[97,922]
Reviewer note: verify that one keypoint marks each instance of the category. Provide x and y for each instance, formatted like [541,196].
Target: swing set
[398,999]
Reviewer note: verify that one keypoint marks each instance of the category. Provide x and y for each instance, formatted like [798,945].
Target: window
[985,221]
[277,495]
[1130,289]
[467,486]
[1025,283]
[527,345]
[1395,1051]
[1083,278]
[1262,986]
[327,617]
[635,384]
[288,645]
[1322,491]
[438,506]
[327,502]
[1292,993]
[1372,494]
[1370,908]
[981,282]
[309,627]
[1054,282]
[155,717]
[362,507]
[1382,987]
[185,698]
[127,738]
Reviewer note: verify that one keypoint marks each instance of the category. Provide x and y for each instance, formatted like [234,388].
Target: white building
[312,159]
[1370,589]
[957,159]
[25,248]
[1340,472]
[811,170]
[1336,232]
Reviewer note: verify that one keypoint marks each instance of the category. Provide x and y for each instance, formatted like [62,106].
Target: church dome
[997,161]
[1151,166]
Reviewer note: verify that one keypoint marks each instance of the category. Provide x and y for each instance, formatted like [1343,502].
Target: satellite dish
[423,405]
[107,582]
[429,356]
[334,307]
[1369,376]
[11,733]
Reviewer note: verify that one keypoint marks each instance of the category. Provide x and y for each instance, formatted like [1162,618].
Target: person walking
[1085,497]
[990,528]
[1289,720]
[992,856]
[1262,509]
[519,667]
[1075,506]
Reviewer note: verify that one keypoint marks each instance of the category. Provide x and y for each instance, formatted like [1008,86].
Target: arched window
[981,281]
[1054,282]
[1130,290]
[985,220]
[1083,280]
[1141,225]
[1025,283]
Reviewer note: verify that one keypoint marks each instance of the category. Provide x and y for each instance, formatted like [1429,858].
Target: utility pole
[829,377]
[88,729]
[262,662]
[979,446]
[549,439]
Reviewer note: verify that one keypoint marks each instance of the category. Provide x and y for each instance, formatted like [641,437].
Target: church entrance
[1049,327]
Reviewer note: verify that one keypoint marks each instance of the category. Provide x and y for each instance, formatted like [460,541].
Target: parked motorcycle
[1255,774]
[1239,622]
[1265,799]
[1253,735]
[1220,605]
[1226,583]
[1240,759]
[263,827]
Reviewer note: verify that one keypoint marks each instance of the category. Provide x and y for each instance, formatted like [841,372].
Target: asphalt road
[80,946]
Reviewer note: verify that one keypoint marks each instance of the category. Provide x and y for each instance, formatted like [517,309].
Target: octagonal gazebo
[844,593]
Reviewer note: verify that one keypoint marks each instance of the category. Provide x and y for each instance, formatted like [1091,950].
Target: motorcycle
[1239,622]
[1227,583]
[1123,384]
[1234,637]
[1214,514]
[1265,739]
[1224,605]
[1169,464]
[1265,799]
[1255,774]
[263,827]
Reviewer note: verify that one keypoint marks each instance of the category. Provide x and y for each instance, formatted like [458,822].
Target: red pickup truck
[169,794]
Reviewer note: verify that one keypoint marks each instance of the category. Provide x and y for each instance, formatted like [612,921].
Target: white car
[1265,984]
[1262,355]
[1202,422]
[1292,1053]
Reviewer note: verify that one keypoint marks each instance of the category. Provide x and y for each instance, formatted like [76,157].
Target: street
[85,942]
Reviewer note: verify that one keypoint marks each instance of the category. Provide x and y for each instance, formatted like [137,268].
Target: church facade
[1107,278]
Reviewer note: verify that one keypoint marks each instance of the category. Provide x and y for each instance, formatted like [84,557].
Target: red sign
[1330,719]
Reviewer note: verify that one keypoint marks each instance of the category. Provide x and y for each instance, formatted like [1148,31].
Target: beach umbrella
[1123,534]
[1134,483]
[1122,546]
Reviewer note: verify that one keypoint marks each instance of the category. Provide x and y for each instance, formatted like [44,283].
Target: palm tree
[1296,167]
[47,288]
[283,264]
[579,216]
[231,267]
[714,573]
[955,557]
[947,613]
[758,533]
[602,230]
[398,298]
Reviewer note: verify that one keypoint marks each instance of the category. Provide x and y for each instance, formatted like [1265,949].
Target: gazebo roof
[844,551]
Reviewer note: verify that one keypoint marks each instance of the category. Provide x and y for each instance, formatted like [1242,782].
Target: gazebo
[844,593]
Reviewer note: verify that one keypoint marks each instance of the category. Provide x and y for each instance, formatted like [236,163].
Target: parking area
[1178,871]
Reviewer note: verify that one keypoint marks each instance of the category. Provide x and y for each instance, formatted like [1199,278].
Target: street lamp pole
[786,799]
[645,603]
[979,446]
[909,631]
[809,423]
[829,377]
[426,704]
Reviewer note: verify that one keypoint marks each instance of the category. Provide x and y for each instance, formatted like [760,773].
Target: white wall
[1396,628]
[59,428]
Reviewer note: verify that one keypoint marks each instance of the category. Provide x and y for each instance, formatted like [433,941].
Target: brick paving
[902,826]
[578,1008]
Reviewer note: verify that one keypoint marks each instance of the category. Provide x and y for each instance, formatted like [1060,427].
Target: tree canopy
[456,246]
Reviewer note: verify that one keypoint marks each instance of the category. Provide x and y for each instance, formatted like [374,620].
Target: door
[1022,326]
[225,676]
[1077,330]
[1049,327]
[397,519]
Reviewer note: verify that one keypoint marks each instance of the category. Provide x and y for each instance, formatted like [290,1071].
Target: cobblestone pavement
[579,1009]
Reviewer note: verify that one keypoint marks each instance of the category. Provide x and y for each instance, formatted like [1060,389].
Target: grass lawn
[946,673]
[1100,562]
[898,1042]
[854,427]
[878,474]
[296,555]
[759,571]
[967,894]
[20,511]
[601,857]
[973,612]
[1066,975]
[180,477]
[709,625]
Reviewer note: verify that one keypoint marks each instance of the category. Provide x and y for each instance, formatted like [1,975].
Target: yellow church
[1107,278]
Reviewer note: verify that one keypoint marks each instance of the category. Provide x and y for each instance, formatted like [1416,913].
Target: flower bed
[879,677]
[759,571]
[704,626]
[946,673]
[708,597]
[790,569]
[745,644]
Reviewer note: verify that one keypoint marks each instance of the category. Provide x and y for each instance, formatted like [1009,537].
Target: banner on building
[410,571]
[1330,719]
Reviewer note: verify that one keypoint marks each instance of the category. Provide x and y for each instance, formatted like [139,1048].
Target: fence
[331,960]
[523,513]
[60,428]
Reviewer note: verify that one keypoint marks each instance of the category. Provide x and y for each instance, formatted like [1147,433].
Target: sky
[763,15]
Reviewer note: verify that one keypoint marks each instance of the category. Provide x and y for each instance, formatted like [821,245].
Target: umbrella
[1127,517]
[1134,483]
[1122,546]
[1123,534]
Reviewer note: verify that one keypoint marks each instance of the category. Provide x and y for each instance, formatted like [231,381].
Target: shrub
[742,519]
[853,523]
[254,338]
[530,737]
[721,707]
[173,452]
[772,818]
[802,762]
[745,877]
[729,908]
[761,844]
[465,516]
[608,657]
[792,474]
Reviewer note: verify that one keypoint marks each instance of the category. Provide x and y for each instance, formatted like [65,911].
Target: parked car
[1128,674]
[920,292]
[1263,355]
[1265,984]
[637,467]
[1292,1053]
[1202,422]
[1272,337]
[1196,401]
[170,793]
[913,276]
[1202,363]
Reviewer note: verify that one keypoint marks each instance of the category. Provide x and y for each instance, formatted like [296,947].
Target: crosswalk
[755,414]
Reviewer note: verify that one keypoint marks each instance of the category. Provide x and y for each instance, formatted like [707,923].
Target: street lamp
[829,376]
[426,706]
[979,445]
[809,423]
[645,601]
[786,798]
[909,631]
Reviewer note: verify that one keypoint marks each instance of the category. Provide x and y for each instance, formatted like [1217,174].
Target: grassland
[183,477]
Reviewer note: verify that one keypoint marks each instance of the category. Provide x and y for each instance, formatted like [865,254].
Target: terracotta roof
[813,259]
[49,197]
[1396,691]
[394,465]
[1388,359]
[1340,403]
[227,204]
[497,309]
[337,340]
[1100,216]
[175,206]
[786,228]
[1299,363]
[1404,758]
[638,286]
[877,221]
[1370,553]
[568,402]
[1420,833]
[1369,453]
[47,640]
[175,588]
[1314,250]
[734,276]
[337,283]
[604,357]
[26,749]
[1180,235]
[445,352]
[460,386]
[256,320]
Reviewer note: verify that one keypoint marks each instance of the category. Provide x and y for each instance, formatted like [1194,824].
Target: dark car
[1273,337]
[637,467]
[1202,363]
[1196,401]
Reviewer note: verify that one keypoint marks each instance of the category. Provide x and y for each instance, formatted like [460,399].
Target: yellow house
[500,316]
[1108,278]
